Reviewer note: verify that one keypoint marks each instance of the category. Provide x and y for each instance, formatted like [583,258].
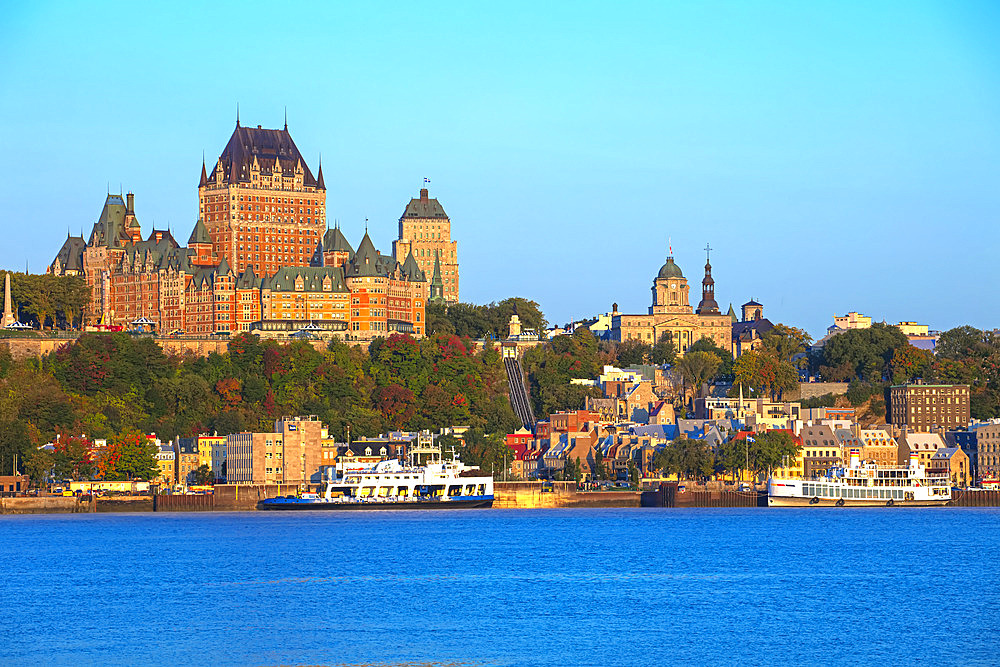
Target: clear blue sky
[839,157]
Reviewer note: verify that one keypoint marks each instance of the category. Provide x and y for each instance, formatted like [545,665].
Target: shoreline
[508,495]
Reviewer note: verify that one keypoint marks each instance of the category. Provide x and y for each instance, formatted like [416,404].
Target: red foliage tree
[396,404]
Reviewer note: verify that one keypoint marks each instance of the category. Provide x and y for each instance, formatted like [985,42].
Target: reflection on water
[497,588]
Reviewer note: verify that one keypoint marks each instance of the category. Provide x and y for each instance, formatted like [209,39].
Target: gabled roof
[109,230]
[760,327]
[269,148]
[248,279]
[368,262]
[223,269]
[412,271]
[335,241]
[317,256]
[70,256]
[313,279]
[425,207]
[200,233]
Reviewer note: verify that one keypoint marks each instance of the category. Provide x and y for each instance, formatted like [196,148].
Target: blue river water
[502,587]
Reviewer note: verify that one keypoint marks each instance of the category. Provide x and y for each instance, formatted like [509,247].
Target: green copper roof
[670,270]
[425,207]
[200,233]
[335,241]
[314,279]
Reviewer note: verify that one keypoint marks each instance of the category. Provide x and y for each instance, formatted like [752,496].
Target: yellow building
[671,313]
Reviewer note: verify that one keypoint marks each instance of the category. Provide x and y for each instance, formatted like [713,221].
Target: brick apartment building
[925,406]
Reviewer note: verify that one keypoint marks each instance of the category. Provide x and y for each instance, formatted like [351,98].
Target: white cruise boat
[862,485]
[390,485]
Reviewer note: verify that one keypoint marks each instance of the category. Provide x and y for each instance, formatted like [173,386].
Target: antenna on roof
[670,248]
[237,114]
[708,249]
[286,118]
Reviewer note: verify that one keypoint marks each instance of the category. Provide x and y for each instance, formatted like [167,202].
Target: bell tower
[670,290]
[708,305]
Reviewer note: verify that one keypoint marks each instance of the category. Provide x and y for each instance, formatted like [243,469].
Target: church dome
[670,270]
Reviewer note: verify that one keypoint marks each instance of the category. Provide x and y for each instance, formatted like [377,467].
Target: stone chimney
[423,194]
[130,203]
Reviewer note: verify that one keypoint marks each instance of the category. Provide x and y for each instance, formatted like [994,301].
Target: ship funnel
[855,458]
[914,460]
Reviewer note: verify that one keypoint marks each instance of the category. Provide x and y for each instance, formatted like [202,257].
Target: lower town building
[954,463]
[988,451]
[291,454]
[924,445]
[820,450]
[925,406]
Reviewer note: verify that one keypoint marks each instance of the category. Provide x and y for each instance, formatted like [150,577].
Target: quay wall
[42,505]
[985,498]
[668,495]
[535,495]
[184,503]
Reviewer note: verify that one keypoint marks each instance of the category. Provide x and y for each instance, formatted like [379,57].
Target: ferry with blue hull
[390,485]
[863,485]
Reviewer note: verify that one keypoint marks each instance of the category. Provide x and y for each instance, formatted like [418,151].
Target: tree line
[111,385]
[49,300]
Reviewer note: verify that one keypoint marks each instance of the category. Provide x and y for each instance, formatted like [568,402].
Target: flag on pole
[427,180]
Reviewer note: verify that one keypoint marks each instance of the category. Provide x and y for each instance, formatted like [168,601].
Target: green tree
[862,354]
[633,474]
[664,351]
[762,371]
[600,471]
[685,458]
[788,344]
[697,368]
[632,353]
[203,475]
[725,356]
[766,451]
[130,456]
[908,363]
[72,457]
[38,465]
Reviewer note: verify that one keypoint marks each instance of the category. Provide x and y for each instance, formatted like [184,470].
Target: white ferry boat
[390,485]
[863,485]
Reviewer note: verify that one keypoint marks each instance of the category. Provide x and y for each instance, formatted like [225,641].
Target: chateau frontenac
[261,257]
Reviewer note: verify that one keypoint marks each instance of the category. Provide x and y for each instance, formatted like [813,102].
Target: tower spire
[708,305]
[286,118]
[237,114]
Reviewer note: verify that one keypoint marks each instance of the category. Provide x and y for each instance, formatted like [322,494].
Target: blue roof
[665,431]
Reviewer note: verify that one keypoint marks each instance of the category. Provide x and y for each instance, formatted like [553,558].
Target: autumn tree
[129,456]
